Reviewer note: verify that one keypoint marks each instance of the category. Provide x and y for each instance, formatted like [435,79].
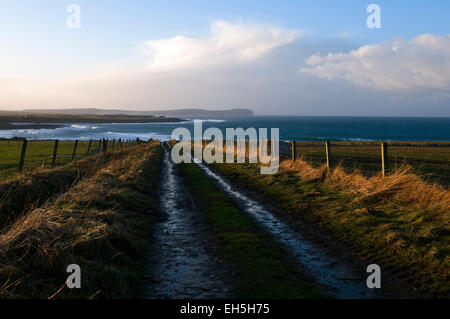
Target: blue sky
[38,48]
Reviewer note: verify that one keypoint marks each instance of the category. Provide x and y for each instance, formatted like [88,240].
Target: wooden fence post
[74,150]
[55,151]
[22,155]
[328,153]
[293,150]
[105,145]
[384,158]
[89,147]
[112,147]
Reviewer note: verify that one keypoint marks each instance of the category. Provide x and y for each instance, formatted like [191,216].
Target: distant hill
[181,113]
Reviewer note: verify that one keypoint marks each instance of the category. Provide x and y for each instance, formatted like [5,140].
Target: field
[39,154]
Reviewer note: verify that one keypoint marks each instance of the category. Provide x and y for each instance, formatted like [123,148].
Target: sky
[274,57]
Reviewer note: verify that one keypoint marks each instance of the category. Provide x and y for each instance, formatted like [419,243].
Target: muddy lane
[334,275]
[183,263]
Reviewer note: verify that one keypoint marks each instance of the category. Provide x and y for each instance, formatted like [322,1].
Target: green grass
[39,154]
[262,267]
[407,240]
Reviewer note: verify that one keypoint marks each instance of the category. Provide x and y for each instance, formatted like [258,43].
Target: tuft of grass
[102,224]
[263,269]
[401,186]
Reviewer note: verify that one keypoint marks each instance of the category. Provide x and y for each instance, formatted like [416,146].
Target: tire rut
[183,263]
[337,279]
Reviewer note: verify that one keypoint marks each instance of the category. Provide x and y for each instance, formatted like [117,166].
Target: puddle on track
[183,264]
[339,280]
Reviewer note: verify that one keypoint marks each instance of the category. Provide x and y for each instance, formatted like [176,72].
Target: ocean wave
[132,136]
[28,131]
[203,120]
[82,126]
[357,139]
[349,139]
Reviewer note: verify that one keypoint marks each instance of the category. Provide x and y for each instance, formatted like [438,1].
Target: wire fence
[19,155]
[430,160]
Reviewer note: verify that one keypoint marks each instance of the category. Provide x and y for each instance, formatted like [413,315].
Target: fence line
[92,149]
[328,156]
[428,159]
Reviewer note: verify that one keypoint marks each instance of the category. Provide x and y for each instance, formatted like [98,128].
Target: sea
[300,128]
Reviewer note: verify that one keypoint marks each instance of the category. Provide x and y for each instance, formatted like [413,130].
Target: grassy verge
[102,224]
[399,222]
[262,268]
[23,191]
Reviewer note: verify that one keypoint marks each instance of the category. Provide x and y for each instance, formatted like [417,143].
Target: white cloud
[398,65]
[228,43]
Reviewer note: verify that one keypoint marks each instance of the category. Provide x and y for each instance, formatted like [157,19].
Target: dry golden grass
[402,186]
[23,192]
[100,224]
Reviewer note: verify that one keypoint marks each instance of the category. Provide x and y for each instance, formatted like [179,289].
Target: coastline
[54,122]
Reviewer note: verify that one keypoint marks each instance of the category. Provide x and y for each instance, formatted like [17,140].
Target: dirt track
[184,264]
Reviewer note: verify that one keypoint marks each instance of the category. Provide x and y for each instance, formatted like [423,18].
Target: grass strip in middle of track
[263,268]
